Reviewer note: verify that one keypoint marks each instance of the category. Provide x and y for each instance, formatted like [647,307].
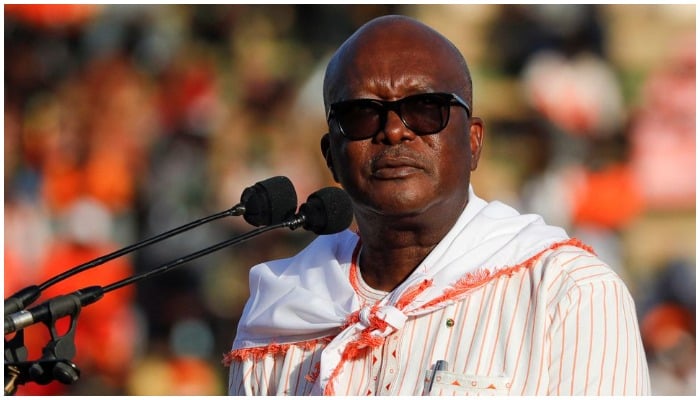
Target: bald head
[395,48]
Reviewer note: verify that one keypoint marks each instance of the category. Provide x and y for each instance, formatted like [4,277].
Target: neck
[393,247]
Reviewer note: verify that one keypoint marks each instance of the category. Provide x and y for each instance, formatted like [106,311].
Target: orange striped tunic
[562,323]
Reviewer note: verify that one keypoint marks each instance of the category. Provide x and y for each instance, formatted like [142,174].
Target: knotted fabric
[381,321]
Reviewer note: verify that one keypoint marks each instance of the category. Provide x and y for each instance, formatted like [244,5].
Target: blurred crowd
[122,122]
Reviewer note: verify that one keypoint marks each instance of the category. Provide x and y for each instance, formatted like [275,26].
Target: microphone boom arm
[326,211]
[200,253]
[128,249]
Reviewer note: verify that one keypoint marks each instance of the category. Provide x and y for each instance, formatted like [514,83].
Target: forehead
[394,62]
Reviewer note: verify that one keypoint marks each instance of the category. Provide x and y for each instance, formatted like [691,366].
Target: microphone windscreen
[269,202]
[327,211]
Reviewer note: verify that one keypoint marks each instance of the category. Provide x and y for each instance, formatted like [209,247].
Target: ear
[326,151]
[476,140]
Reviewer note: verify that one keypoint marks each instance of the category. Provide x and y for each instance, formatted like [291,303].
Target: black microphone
[270,201]
[325,212]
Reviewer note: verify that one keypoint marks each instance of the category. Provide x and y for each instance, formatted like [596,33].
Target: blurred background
[122,122]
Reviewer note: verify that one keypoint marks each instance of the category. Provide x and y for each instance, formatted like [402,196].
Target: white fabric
[309,296]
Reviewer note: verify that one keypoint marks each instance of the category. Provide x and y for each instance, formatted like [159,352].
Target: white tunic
[513,306]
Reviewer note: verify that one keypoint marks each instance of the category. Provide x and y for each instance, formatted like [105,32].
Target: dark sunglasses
[424,114]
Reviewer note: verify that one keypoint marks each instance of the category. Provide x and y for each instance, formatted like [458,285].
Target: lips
[390,167]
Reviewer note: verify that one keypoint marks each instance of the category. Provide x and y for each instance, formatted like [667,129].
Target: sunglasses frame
[385,106]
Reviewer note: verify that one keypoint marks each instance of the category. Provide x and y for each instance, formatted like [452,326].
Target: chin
[394,197]
[400,204]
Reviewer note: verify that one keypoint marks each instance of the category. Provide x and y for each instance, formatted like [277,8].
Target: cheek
[455,145]
[349,160]
[454,157]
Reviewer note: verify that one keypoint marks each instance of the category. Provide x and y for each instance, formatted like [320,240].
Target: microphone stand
[56,363]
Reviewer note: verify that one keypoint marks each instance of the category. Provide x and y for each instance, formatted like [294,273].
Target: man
[439,292]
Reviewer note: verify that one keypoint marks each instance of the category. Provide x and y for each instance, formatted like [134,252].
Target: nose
[395,131]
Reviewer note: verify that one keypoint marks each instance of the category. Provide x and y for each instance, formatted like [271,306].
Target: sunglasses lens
[359,119]
[425,114]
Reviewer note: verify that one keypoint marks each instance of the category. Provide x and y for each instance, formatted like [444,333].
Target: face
[397,172]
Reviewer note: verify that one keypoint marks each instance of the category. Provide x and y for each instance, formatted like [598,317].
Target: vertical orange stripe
[557,280]
[445,354]
[497,333]
[477,319]
[409,341]
[464,316]
[522,344]
[485,330]
[290,354]
[255,385]
[508,338]
[274,379]
[576,343]
[590,345]
[245,374]
[628,346]
[605,340]
[532,336]
[617,337]
[540,368]
[640,356]
[561,351]
[424,346]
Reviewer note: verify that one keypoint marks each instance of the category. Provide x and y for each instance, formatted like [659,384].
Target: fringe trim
[413,292]
[478,278]
[274,349]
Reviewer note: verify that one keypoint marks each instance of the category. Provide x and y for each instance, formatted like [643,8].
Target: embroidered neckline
[366,293]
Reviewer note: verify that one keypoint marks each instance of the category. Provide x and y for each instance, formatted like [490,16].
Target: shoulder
[577,265]
[573,275]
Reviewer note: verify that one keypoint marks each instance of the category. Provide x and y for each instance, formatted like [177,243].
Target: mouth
[394,167]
